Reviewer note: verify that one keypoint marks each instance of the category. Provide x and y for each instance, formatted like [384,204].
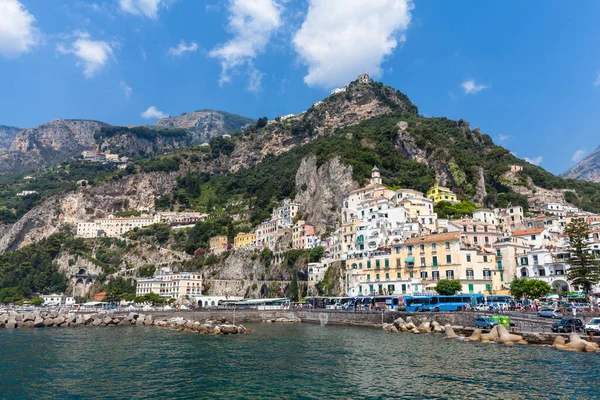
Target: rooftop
[529,232]
[440,237]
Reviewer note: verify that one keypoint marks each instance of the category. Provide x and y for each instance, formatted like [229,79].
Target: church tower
[375,176]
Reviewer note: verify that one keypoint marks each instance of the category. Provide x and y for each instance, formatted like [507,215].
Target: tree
[448,287]
[146,271]
[36,301]
[532,288]
[294,286]
[584,271]
[262,122]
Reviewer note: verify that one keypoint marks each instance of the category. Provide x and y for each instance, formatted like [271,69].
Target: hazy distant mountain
[7,135]
[206,123]
[587,169]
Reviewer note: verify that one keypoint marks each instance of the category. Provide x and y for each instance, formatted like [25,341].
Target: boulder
[48,322]
[11,324]
[124,322]
[80,321]
[132,315]
[399,322]
[229,329]
[71,318]
[148,322]
[394,329]
[450,334]
[107,320]
[18,317]
[38,322]
[505,337]
[28,317]
[415,330]
[425,327]
[476,335]
[59,321]
[139,322]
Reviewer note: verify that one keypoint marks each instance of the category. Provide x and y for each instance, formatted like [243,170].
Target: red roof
[100,296]
[529,232]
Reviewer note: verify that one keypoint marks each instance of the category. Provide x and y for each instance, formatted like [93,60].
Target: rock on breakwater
[36,319]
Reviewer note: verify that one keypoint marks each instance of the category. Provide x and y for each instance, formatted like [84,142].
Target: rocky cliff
[99,201]
[206,124]
[587,169]
[49,144]
[321,190]
[7,135]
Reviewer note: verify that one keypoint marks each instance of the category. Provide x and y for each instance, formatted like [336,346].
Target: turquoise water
[293,361]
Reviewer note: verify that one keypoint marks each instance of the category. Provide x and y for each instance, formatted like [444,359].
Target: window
[411,275]
[501,277]
[471,288]
[376,276]
[410,250]
[434,261]
[498,253]
[368,277]
[485,259]
[449,274]
[533,237]
[387,263]
[423,274]
[422,248]
[387,275]
[475,239]
[448,259]
[377,264]
[499,265]
[468,258]
[435,275]
[488,287]
[397,250]
[447,245]
[398,275]
[487,274]
[433,246]
[368,264]
[470,274]
[524,261]
[397,263]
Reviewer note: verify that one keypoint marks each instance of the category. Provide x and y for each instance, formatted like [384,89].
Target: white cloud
[92,54]
[17,33]
[502,137]
[153,113]
[578,155]
[147,8]
[597,81]
[535,161]
[182,48]
[252,22]
[127,90]
[254,80]
[340,39]
[471,87]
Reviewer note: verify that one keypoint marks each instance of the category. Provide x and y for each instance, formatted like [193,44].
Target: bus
[496,301]
[386,303]
[441,303]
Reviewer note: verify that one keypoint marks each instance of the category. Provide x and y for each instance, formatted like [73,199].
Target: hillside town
[392,242]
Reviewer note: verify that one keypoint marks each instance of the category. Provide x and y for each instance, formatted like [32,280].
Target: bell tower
[375,176]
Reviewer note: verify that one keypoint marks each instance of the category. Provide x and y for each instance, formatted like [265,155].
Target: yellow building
[444,256]
[244,240]
[440,193]
[218,244]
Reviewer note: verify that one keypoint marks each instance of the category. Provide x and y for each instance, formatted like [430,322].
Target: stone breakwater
[498,334]
[12,320]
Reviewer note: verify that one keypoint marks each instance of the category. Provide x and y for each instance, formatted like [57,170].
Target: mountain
[53,142]
[587,169]
[316,157]
[49,143]
[170,133]
[206,123]
[7,135]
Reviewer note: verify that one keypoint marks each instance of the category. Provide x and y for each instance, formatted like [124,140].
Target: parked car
[568,325]
[593,325]
[481,307]
[485,322]
[550,313]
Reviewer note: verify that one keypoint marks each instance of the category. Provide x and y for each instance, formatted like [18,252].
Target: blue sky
[526,73]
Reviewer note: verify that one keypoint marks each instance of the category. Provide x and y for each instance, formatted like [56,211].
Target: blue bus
[389,303]
[442,303]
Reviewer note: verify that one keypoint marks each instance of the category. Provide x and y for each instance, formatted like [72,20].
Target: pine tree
[294,286]
[584,271]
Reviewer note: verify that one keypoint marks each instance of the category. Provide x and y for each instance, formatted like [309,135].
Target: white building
[285,214]
[172,285]
[57,300]
[114,227]
[26,193]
